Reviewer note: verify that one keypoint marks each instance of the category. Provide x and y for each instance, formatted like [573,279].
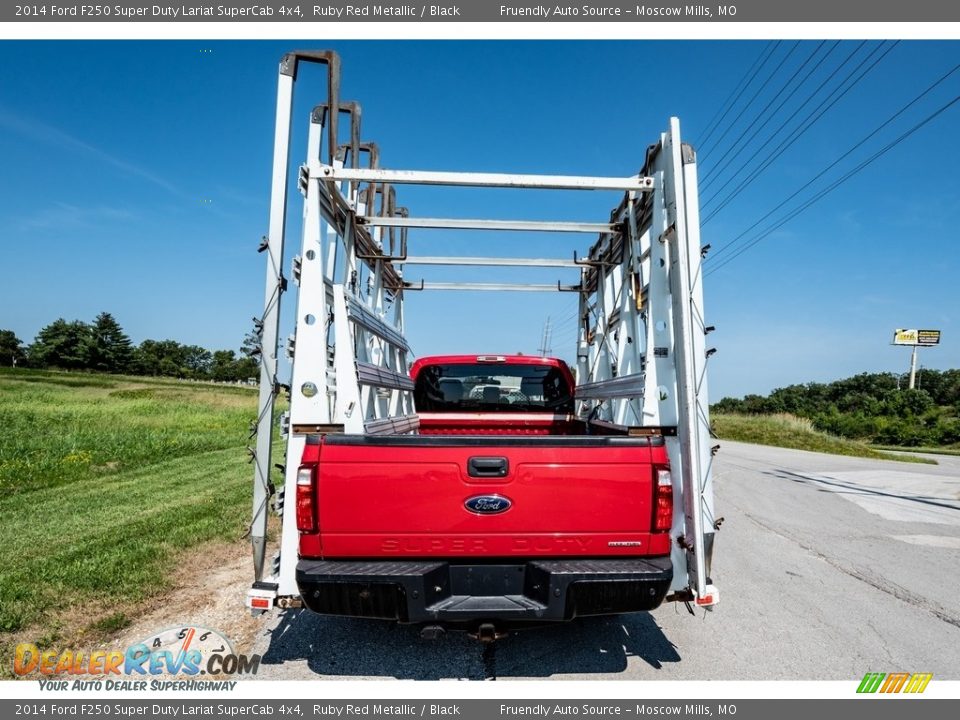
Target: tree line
[876,407]
[103,346]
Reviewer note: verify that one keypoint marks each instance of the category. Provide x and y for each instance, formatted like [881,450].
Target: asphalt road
[828,567]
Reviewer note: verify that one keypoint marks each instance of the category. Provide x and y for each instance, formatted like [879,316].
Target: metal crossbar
[469,224]
[377,376]
[492,287]
[625,386]
[319,170]
[362,315]
[490,261]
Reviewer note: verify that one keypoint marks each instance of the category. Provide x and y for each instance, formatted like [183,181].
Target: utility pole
[916,339]
[913,366]
[545,348]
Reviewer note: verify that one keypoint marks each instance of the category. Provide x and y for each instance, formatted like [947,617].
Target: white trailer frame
[641,349]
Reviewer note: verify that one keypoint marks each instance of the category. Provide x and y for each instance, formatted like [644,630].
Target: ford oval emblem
[488,504]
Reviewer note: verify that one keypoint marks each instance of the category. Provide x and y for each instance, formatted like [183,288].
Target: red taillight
[306,499]
[663,499]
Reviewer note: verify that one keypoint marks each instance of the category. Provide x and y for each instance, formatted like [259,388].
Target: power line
[564,322]
[758,63]
[801,129]
[837,183]
[563,343]
[846,154]
[786,122]
[750,101]
[571,312]
[567,332]
[713,176]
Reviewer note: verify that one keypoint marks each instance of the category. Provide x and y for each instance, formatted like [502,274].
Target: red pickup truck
[504,510]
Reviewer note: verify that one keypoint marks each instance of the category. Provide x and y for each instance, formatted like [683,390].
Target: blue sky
[135,179]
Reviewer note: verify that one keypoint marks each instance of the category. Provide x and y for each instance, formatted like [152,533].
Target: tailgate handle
[487,467]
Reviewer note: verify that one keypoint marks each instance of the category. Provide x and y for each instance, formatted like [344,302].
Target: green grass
[104,482]
[112,623]
[58,428]
[922,449]
[789,431]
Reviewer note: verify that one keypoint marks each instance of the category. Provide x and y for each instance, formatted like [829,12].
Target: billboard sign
[916,337]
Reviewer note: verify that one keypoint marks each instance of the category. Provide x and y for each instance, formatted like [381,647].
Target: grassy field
[104,481]
[952,450]
[788,431]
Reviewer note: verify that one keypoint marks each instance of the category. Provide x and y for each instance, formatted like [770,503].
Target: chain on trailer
[641,355]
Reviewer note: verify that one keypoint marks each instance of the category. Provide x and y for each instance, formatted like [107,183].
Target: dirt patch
[208,590]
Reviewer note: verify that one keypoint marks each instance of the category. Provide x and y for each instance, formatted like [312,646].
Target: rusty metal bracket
[289,65]
[355,112]
[586,262]
[388,208]
[406,285]
[388,258]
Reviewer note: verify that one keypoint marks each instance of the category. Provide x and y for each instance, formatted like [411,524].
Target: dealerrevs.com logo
[189,652]
[899,682]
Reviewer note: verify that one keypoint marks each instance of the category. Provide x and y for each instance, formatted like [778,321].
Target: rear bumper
[456,592]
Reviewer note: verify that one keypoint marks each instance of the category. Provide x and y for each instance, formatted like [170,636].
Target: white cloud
[51,135]
[63,216]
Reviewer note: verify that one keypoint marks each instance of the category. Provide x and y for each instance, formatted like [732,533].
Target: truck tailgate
[418,496]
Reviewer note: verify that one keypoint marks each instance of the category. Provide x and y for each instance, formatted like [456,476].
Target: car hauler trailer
[640,381]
